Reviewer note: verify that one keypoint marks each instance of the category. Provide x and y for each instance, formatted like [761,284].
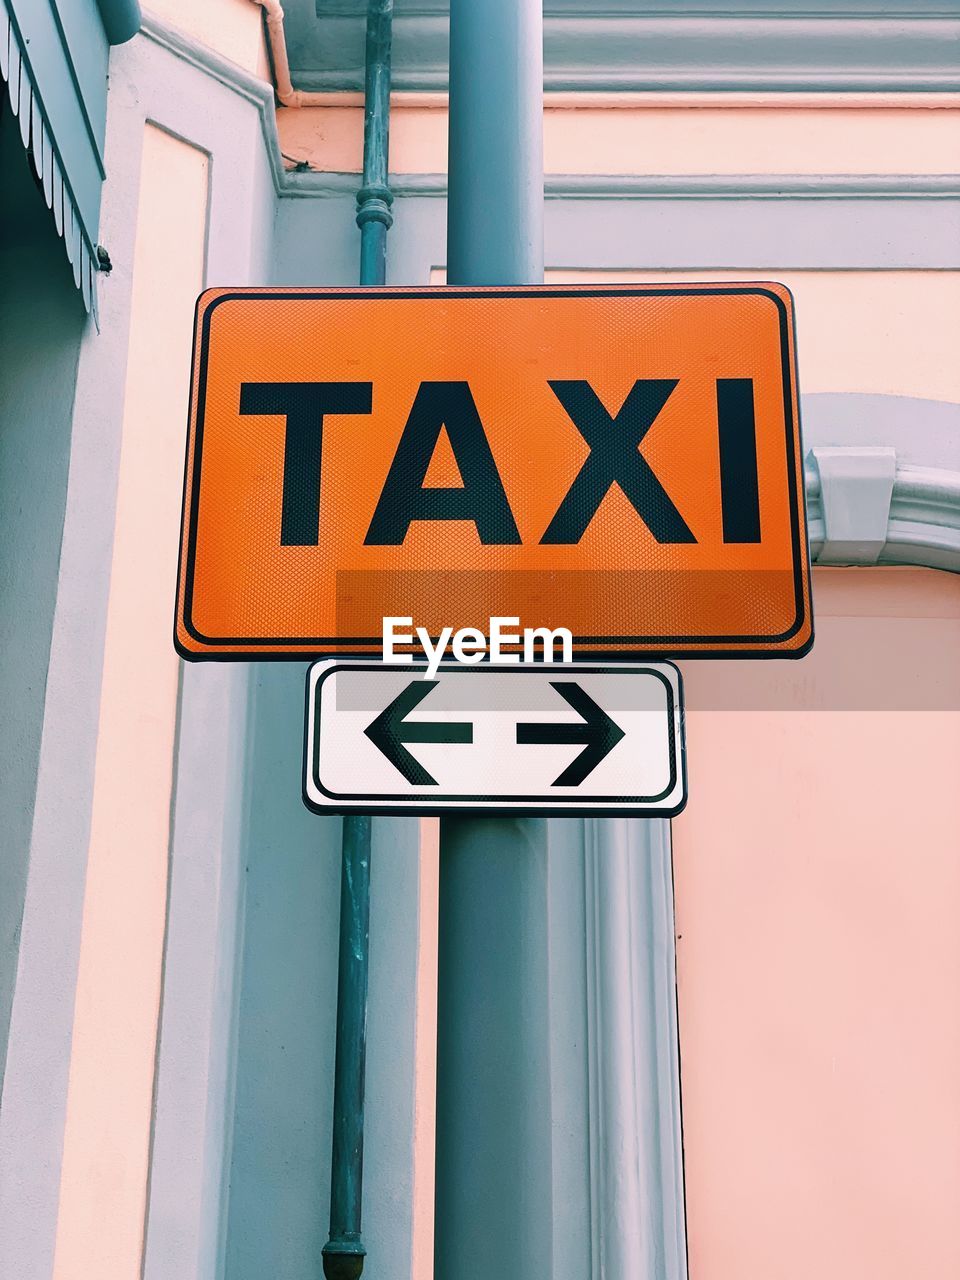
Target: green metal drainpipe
[344,1253]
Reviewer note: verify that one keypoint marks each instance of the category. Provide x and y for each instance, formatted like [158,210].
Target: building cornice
[606,47]
[287,182]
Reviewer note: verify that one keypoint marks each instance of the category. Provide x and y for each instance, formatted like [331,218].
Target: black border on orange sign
[303,649]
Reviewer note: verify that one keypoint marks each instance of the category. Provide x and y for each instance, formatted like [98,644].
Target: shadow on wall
[41,323]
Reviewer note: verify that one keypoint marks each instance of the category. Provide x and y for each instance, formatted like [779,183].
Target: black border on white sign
[535,805]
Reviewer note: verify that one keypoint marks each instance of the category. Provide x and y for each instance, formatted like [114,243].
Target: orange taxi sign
[621,461]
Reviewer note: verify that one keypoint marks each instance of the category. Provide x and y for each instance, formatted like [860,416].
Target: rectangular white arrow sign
[574,739]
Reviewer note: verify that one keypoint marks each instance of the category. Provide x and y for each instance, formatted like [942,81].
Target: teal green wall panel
[86,50]
[53,58]
[121,19]
[67,60]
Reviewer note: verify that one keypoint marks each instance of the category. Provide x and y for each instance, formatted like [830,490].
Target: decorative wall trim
[561,186]
[753,187]
[922,525]
[873,50]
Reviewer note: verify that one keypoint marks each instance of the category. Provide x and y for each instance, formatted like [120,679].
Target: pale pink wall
[856,330]
[658,133]
[233,28]
[106,1142]
[818,918]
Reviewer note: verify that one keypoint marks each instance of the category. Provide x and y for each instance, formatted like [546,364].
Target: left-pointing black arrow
[596,730]
[391,730]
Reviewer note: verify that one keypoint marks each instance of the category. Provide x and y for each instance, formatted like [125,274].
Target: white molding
[562,186]
[711,186]
[856,486]
[923,517]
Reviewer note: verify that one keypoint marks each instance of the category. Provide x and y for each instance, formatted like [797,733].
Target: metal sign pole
[492,1176]
[344,1252]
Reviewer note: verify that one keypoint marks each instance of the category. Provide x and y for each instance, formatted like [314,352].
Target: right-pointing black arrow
[391,730]
[597,731]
